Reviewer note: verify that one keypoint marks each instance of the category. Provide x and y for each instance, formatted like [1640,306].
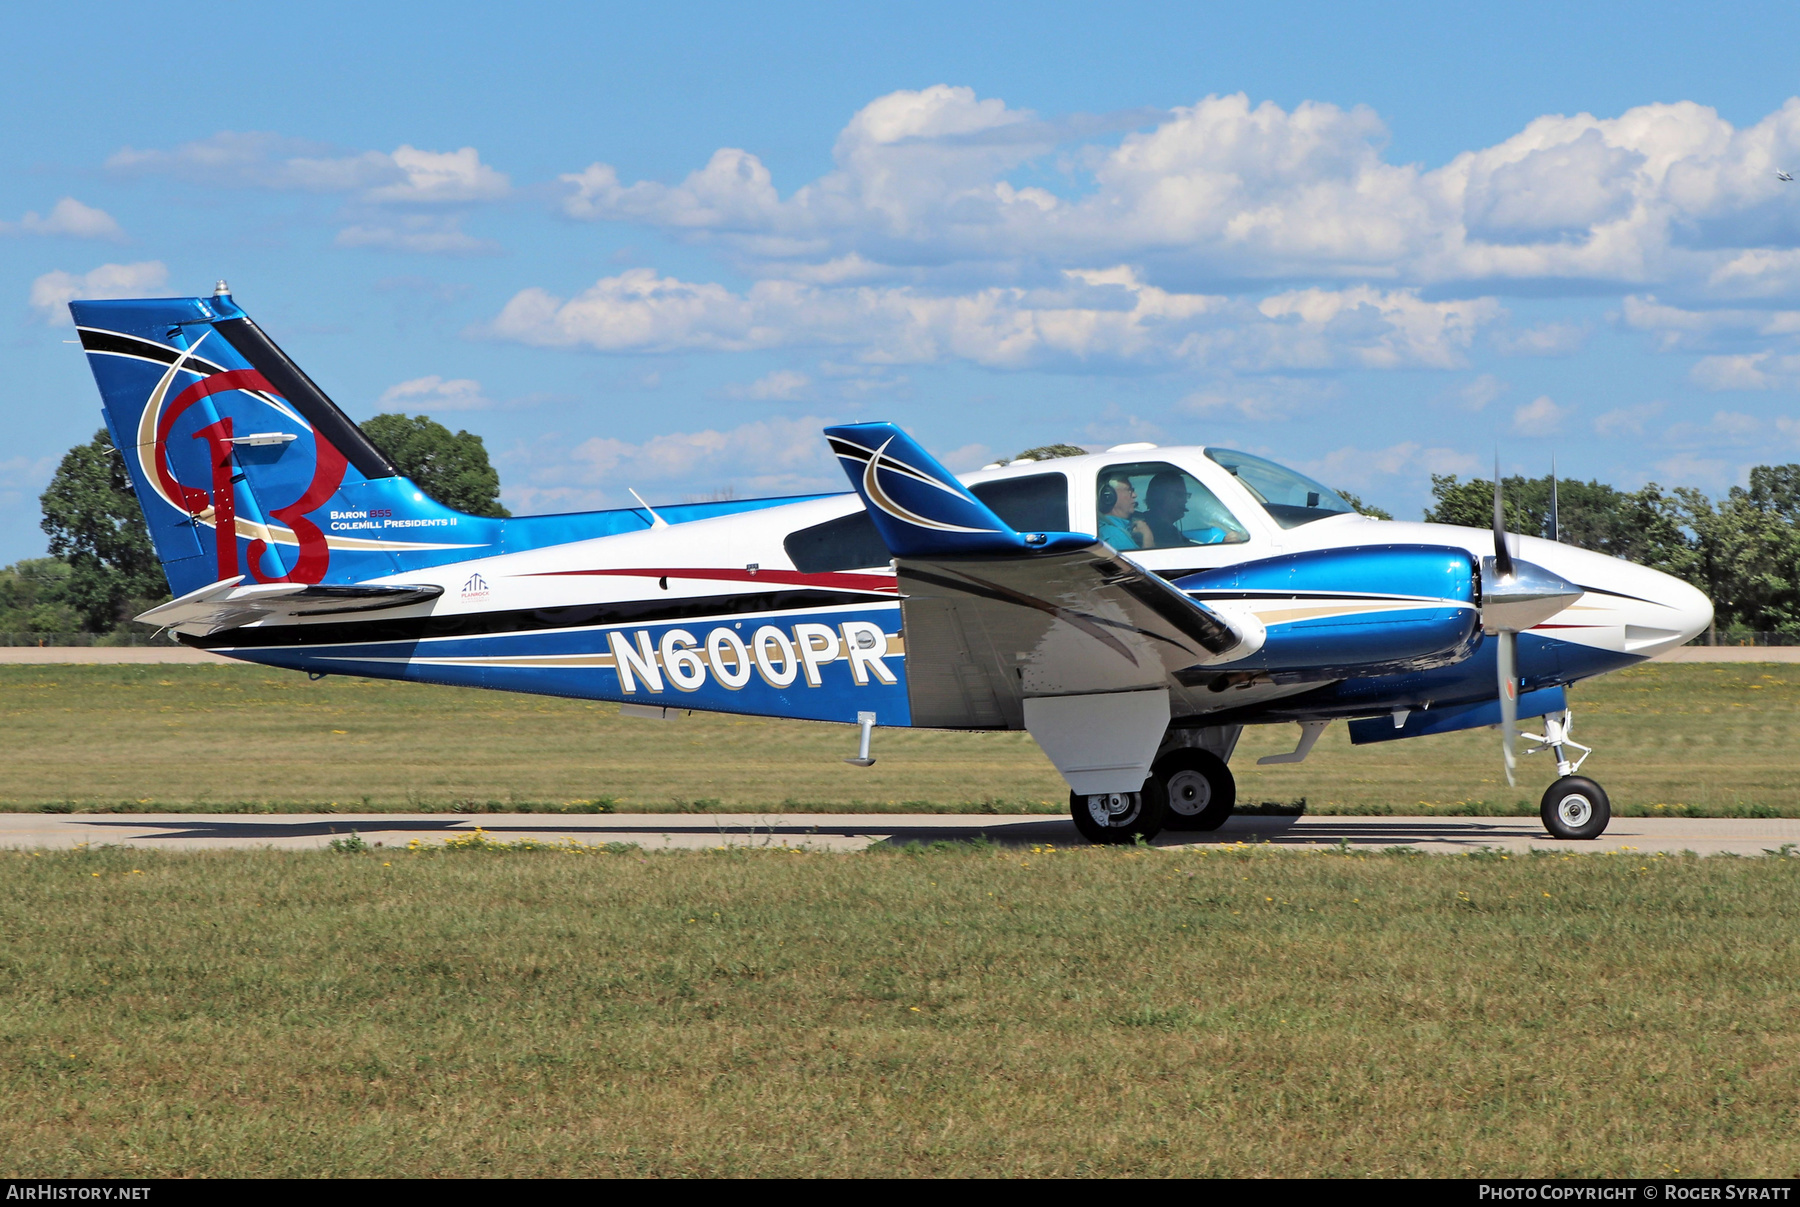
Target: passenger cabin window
[1039,503]
[1291,499]
[846,543]
[1153,505]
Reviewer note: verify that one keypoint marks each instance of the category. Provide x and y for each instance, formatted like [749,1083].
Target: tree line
[102,570]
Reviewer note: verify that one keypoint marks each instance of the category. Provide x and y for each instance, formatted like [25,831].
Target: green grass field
[1684,739]
[917,1012]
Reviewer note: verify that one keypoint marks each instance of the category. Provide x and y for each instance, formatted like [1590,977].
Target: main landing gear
[1574,806]
[1188,789]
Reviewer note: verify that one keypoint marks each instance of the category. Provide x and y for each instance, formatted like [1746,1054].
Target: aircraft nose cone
[1693,612]
[1671,613]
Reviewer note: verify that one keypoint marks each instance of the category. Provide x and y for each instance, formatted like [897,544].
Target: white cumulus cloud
[423,234]
[923,183]
[67,217]
[1751,371]
[1628,421]
[52,292]
[766,457]
[1353,468]
[1545,339]
[1539,417]
[1478,393]
[1094,317]
[781,385]
[436,393]
[259,159]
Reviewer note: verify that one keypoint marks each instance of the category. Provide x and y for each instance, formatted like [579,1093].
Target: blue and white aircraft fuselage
[1132,609]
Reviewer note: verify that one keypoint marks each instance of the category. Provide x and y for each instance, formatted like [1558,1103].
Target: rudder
[222,433]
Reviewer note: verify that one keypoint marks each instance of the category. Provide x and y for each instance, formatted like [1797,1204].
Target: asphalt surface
[843,832]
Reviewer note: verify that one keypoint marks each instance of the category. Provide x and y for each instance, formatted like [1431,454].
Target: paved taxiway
[847,832]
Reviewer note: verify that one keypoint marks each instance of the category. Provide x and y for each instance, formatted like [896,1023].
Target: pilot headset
[1109,495]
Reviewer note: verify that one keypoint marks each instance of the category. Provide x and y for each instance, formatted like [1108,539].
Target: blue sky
[661,249]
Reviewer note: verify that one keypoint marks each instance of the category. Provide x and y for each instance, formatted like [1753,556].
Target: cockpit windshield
[1291,499]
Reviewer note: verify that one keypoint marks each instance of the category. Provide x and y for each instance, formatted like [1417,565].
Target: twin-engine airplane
[1133,610]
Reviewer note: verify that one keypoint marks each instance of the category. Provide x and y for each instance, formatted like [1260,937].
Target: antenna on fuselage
[656,521]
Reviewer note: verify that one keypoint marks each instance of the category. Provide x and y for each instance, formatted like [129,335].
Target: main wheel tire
[1200,788]
[1575,807]
[1118,817]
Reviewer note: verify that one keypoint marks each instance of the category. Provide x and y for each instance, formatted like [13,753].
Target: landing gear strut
[1574,806]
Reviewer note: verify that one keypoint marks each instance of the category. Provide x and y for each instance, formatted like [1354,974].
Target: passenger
[1119,526]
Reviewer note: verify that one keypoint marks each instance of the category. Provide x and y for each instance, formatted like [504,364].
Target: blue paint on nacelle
[1416,571]
[1376,609]
[1543,662]
[1418,724]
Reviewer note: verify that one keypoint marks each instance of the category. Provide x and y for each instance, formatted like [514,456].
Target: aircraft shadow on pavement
[1006,831]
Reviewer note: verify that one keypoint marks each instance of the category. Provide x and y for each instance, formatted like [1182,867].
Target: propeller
[1515,595]
[1555,522]
[1507,654]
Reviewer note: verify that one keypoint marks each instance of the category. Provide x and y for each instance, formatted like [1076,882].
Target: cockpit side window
[1290,498]
[1154,505]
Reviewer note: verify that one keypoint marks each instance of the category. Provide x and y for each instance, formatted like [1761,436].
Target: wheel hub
[1111,808]
[1575,810]
[1189,793]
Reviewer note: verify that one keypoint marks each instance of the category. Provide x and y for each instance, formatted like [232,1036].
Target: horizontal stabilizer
[919,507]
[230,603]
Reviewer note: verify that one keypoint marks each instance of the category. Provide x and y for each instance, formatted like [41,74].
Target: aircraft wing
[994,616]
[230,603]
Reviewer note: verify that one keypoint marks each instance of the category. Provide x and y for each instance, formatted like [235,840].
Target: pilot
[1166,502]
[1120,525]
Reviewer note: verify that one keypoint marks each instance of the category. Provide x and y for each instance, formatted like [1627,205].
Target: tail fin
[919,508]
[244,468]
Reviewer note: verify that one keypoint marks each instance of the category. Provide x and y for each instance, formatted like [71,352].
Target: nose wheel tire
[1200,787]
[1110,818]
[1575,807]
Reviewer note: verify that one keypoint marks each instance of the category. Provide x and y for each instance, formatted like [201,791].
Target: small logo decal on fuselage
[475,588]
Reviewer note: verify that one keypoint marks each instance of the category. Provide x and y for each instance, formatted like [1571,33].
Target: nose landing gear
[1573,807]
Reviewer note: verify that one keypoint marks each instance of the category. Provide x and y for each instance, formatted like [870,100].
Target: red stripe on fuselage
[786,578]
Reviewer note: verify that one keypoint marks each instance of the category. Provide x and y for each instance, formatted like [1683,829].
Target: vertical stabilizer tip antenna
[221,290]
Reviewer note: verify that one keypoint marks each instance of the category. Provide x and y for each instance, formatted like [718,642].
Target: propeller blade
[1503,562]
[1556,524]
[1509,701]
